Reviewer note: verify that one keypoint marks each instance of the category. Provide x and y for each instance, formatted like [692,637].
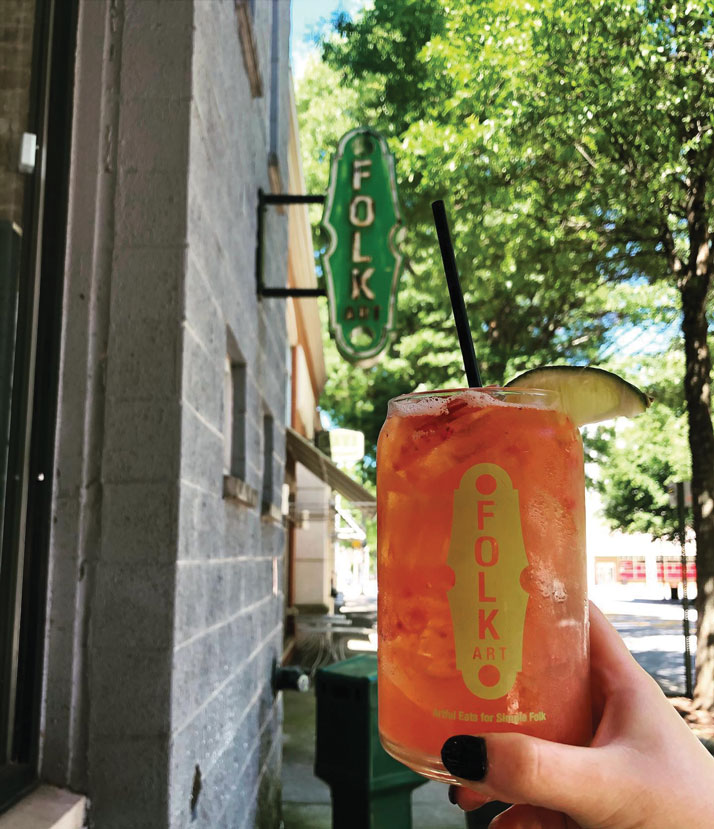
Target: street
[652,631]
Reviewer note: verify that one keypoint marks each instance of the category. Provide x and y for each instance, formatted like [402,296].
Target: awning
[319,464]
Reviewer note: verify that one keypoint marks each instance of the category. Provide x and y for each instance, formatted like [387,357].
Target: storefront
[146,392]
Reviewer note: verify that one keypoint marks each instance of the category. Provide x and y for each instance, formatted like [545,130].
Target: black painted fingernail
[452,795]
[465,756]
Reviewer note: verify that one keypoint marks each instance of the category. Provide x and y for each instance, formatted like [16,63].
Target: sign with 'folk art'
[362,263]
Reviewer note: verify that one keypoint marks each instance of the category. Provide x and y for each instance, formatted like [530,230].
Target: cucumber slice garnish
[587,394]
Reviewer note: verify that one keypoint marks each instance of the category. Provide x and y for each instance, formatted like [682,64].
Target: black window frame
[30,474]
[236,406]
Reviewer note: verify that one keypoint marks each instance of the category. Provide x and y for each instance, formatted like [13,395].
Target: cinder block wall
[111,606]
[132,601]
[229,597]
[165,597]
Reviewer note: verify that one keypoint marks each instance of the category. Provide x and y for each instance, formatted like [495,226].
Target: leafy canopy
[493,106]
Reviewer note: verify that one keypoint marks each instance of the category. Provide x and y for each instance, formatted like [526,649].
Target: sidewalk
[306,800]
[651,630]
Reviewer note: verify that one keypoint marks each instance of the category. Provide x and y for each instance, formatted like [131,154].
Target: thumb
[519,769]
[531,817]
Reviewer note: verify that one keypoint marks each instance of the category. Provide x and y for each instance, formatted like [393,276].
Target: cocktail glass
[483,614]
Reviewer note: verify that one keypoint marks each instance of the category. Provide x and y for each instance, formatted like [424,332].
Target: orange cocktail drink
[483,615]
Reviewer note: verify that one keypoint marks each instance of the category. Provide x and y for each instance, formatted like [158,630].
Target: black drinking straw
[473,375]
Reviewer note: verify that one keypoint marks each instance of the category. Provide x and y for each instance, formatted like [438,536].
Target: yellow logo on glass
[487,602]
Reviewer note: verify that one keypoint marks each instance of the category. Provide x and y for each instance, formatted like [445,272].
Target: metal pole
[291,198]
[292,292]
[685,600]
[259,242]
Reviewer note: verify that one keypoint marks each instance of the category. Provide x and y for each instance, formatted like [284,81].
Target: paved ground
[653,632]
[306,800]
[651,629]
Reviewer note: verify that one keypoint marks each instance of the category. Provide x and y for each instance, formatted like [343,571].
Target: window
[235,462]
[234,418]
[268,450]
[274,109]
[272,495]
[31,273]
[245,10]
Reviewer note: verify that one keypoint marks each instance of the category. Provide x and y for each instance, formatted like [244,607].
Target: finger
[611,662]
[619,686]
[467,799]
[604,651]
[531,817]
[518,769]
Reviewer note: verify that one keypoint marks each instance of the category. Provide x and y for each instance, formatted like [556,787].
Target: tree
[519,319]
[648,454]
[651,158]
[638,459]
[575,141]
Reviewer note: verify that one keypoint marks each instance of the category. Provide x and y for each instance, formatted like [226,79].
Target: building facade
[635,565]
[142,656]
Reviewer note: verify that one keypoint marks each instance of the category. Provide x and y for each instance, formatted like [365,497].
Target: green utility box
[370,789]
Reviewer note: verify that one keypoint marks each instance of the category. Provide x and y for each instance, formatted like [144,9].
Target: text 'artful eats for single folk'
[518,718]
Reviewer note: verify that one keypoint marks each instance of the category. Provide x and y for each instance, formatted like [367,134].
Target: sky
[307,17]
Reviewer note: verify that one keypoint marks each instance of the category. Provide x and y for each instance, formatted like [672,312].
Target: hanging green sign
[362,263]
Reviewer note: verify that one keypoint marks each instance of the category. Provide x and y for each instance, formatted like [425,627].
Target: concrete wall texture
[166,598]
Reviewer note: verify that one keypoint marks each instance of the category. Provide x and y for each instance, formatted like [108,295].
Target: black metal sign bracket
[265,199]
